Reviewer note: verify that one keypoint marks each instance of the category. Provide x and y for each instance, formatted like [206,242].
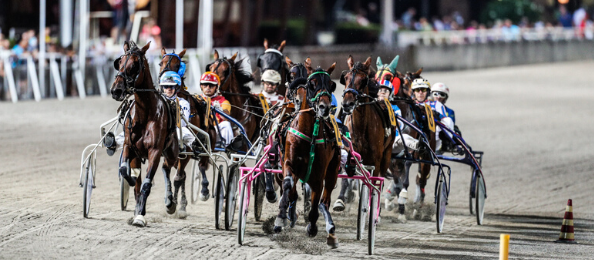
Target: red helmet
[210,78]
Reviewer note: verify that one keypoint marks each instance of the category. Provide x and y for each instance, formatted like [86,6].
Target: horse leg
[331,177]
[288,187]
[204,193]
[293,207]
[170,203]
[339,204]
[179,181]
[145,190]
[314,214]
[403,195]
[135,164]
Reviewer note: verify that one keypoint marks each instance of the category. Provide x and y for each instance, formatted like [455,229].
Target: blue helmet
[170,78]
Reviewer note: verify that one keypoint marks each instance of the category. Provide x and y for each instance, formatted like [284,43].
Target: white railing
[406,38]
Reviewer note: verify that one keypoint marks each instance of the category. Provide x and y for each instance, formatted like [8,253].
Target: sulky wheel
[195,181]
[373,216]
[88,187]
[441,202]
[243,212]
[259,189]
[471,192]
[231,191]
[363,209]
[480,198]
[219,198]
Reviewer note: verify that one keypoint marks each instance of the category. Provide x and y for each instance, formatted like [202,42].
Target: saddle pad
[430,120]
[177,109]
[336,131]
[390,112]
[207,117]
[263,102]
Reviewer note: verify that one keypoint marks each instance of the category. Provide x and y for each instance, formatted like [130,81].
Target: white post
[387,19]
[10,79]
[179,25]
[66,22]
[56,75]
[205,31]
[33,78]
[101,81]
[41,43]
[82,45]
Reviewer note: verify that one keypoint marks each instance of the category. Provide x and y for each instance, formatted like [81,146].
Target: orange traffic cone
[566,235]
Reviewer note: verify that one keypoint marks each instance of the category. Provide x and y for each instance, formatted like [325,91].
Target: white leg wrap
[120,140]
[402,197]
[135,172]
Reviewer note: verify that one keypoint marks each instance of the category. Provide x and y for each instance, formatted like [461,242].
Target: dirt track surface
[534,124]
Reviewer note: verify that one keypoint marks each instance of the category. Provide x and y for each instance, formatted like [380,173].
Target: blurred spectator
[579,20]
[408,16]
[151,32]
[119,18]
[458,18]
[510,31]
[21,47]
[437,24]
[423,25]
[564,17]
[373,15]
[361,20]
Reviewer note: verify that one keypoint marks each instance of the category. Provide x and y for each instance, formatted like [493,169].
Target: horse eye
[160,64]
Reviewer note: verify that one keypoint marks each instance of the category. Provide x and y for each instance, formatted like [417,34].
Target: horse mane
[243,77]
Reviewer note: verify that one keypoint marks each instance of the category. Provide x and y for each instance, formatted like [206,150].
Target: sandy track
[533,122]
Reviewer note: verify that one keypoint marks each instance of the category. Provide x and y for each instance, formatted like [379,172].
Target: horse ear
[331,69]
[216,55]
[367,63]
[265,44]
[288,61]
[394,63]
[182,53]
[350,62]
[163,51]
[418,73]
[126,46]
[116,63]
[342,79]
[233,57]
[146,47]
[307,65]
[282,46]
[332,86]
[379,62]
[207,69]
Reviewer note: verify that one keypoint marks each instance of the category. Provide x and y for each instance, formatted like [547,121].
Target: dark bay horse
[400,168]
[371,131]
[311,154]
[245,107]
[149,128]
[273,59]
[198,107]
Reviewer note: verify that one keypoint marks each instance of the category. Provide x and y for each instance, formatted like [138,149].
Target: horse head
[172,62]
[355,80]
[223,67]
[132,70]
[407,80]
[319,89]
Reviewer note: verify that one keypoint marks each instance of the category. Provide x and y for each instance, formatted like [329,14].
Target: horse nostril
[350,104]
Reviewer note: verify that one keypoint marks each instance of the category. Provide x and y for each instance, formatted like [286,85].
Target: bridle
[225,74]
[130,82]
[351,88]
[323,89]
[182,66]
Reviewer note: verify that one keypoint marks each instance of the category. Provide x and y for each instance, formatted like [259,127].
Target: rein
[130,82]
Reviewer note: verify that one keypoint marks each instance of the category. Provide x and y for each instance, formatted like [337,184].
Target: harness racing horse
[246,107]
[149,128]
[401,168]
[371,130]
[273,59]
[198,107]
[311,154]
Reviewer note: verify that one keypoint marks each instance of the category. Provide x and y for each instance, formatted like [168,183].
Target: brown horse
[273,59]
[173,62]
[401,168]
[148,128]
[245,107]
[370,129]
[305,138]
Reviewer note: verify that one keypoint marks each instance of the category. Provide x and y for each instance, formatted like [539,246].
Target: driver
[421,88]
[209,83]
[270,81]
[386,91]
[171,82]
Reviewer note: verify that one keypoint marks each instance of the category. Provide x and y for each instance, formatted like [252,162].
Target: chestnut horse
[311,154]
[198,106]
[371,131]
[148,128]
[401,168]
[245,107]
[273,59]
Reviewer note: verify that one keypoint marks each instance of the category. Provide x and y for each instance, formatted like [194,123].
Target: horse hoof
[416,215]
[204,195]
[312,231]
[401,218]
[271,196]
[171,209]
[389,205]
[278,229]
[332,241]
[139,221]
[182,214]
[338,205]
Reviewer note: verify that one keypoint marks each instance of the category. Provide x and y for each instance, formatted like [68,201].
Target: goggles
[208,85]
[421,90]
[168,86]
[439,94]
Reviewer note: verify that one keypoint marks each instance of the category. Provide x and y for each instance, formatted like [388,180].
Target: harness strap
[304,136]
[312,153]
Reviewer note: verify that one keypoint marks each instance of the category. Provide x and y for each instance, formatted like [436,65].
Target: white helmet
[440,87]
[271,76]
[420,83]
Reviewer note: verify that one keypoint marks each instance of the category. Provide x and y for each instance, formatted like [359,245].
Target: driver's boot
[270,194]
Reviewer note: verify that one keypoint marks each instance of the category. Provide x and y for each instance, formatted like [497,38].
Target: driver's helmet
[421,83]
[271,76]
[210,78]
[387,85]
[170,78]
[440,87]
